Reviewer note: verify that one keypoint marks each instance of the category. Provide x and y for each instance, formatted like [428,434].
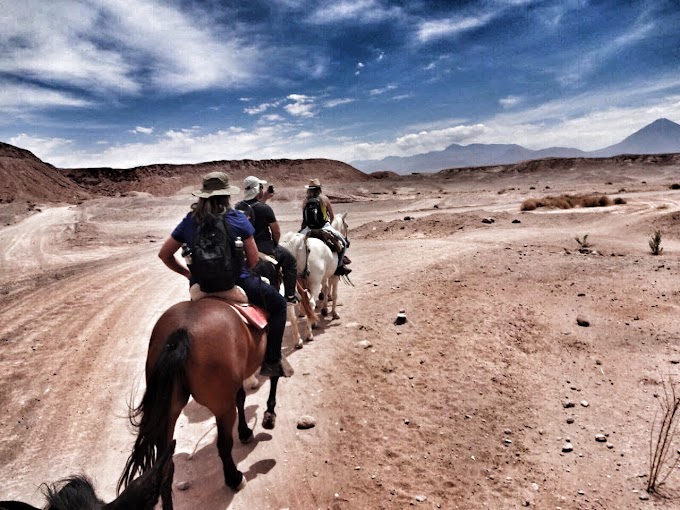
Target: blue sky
[132,82]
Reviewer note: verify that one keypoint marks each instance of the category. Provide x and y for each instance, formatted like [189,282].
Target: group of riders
[254,223]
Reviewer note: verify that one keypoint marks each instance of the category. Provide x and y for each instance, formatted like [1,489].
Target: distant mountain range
[660,137]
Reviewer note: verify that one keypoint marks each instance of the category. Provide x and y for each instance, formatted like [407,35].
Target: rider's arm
[251,252]
[329,208]
[276,231]
[167,255]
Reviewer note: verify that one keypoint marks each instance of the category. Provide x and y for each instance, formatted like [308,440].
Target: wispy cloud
[104,47]
[14,98]
[436,29]
[509,101]
[332,103]
[142,130]
[359,11]
[587,62]
[382,90]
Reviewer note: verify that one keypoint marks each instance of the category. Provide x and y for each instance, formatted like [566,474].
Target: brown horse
[78,492]
[202,349]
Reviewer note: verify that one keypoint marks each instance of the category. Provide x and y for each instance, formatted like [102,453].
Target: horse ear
[143,493]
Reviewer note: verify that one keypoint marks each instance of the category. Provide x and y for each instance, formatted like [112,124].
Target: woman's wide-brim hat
[214,184]
[313,183]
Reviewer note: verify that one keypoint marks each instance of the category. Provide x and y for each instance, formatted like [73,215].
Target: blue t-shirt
[238,222]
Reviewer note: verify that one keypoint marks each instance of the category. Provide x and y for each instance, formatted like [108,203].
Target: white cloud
[509,101]
[360,11]
[332,103]
[586,63]
[14,98]
[380,91]
[437,29]
[120,46]
[254,110]
[46,149]
[301,105]
[142,130]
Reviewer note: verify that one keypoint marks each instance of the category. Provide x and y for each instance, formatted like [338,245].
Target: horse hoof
[241,484]
[269,420]
[310,338]
[248,439]
[299,345]
[324,312]
[315,325]
[336,316]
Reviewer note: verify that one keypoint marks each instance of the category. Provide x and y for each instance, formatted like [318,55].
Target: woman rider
[213,200]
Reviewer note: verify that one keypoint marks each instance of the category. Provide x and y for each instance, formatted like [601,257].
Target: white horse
[317,264]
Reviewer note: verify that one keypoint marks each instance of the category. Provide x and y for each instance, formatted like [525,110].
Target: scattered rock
[306,422]
[488,220]
[507,431]
[600,438]
[567,447]
[610,446]
[182,486]
[407,218]
[644,496]
[568,404]
[570,420]
[364,344]
[584,403]
[401,319]
[582,321]
[507,441]
[516,221]
[420,498]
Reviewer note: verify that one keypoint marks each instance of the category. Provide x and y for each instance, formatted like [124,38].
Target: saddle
[250,314]
[329,239]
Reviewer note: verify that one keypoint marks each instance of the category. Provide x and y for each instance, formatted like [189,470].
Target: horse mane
[73,492]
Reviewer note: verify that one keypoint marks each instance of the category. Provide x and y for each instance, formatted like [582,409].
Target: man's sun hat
[216,183]
[313,183]
[251,186]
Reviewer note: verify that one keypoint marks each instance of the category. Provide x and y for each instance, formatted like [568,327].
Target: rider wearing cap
[268,232]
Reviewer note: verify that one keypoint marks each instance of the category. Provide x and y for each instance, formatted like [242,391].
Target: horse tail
[151,416]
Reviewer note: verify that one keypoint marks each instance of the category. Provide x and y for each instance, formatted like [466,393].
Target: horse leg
[245,433]
[334,293]
[324,301]
[233,478]
[292,317]
[269,418]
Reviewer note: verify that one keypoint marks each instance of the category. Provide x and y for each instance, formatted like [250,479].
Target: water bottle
[239,246]
[186,253]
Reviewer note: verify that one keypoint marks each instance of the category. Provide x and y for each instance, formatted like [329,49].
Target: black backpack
[216,261]
[313,214]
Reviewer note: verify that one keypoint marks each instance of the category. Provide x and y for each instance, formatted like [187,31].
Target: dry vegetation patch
[571,201]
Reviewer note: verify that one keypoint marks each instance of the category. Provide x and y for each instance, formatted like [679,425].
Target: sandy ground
[462,407]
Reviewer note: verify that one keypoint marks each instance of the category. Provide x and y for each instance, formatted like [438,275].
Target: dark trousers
[289,267]
[268,298]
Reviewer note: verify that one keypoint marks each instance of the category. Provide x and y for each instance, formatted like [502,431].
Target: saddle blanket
[251,314]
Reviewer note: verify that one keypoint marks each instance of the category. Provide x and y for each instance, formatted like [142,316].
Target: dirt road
[461,407]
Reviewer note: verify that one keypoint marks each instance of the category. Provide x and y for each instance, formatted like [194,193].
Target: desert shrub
[583,242]
[662,458]
[567,202]
[619,201]
[529,205]
[675,186]
[655,243]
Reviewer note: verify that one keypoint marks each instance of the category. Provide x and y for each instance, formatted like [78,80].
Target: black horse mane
[73,492]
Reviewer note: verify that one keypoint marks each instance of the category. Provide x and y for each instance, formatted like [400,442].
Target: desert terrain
[468,405]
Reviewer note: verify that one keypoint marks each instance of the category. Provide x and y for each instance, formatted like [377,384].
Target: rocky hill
[25,178]
[165,179]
